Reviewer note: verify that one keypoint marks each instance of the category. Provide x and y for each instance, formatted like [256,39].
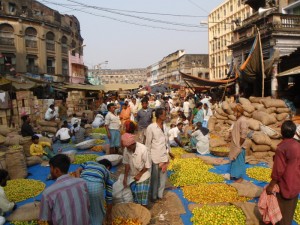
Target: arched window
[64,45]
[6,35]
[73,45]
[31,37]
[50,44]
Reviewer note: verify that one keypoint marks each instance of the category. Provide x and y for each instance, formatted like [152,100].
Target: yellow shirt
[38,149]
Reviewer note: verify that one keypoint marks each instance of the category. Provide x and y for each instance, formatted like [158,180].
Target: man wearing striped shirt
[66,201]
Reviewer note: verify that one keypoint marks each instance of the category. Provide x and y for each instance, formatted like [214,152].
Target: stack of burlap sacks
[15,152]
[49,126]
[259,111]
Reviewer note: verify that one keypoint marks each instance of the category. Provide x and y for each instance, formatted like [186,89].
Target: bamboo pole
[262,65]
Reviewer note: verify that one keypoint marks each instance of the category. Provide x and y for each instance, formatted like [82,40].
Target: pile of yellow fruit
[297,213]
[221,149]
[79,159]
[100,130]
[33,222]
[21,189]
[99,141]
[192,171]
[98,148]
[260,173]
[177,152]
[212,193]
[123,221]
[213,215]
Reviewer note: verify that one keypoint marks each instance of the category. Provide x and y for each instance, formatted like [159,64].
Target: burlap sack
[221,112]
[220,116]
[249,115]
[2,161]
[45,139]
[51,130]
[226,108]
[218,127]
[244,101]
[253,124]
[188,156]
[45,123]
[232,105]
[247,144]
[260,138]
[257,99]
[230,122]
[248,108]
[211,123]
[213,160]
[247,189]
[2,139]
[12,139]
[274,144]
[260,148]
[26,148]
[261,155]
[232,117]
[27,212]
[16,163]
[283,110]
[131,210]
[253,217]
[33,160]
[216,142]
[263,117]
[250,159]
[267,110]
[258,105]
[278,103]
[4,130]
[282,116]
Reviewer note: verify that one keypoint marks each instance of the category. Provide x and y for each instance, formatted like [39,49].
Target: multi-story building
[221,23]
[120,76]
[38,40]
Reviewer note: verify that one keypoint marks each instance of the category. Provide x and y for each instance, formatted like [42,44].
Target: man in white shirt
[207,114]
[174,135]
[297,133]
[98,121]
[186,107]
[137,163]
[206,100]
[157,103]
[157,144]
[112,125]
[50,113]
[133,109]
[64,134]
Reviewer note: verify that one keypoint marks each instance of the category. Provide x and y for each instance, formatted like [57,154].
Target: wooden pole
[262,65]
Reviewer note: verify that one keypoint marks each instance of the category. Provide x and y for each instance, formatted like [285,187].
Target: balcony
[33,69]
[30,44]
[50,46]
[7,41]
[50,70]
[65,72]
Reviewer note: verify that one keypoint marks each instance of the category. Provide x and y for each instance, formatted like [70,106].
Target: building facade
[39,41]
[221,23]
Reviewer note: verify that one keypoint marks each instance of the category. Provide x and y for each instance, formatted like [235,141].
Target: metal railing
[50,46]
[30,44]
[50,70]
[65,72]
[7,41]
[33,69]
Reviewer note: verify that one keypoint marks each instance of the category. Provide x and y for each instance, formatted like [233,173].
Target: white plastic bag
[121,194]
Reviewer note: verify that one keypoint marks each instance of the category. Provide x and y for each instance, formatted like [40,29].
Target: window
[12,7]
[31,66]
[64,45]
[24,9]
[7,35]
[231,8]
[73,45]
[7,63]
[224,12]
[30,37]
[50,44]
[65,67]
[50,65]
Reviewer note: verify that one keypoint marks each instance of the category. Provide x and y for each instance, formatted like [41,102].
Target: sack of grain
[12,139]
[221,112]
[26,148]
[260,148]
[218,127]
[217,142]
[261,155]
[253,124]
[226,107]
[282,116]
[247,189]
[258,106]
[230,122]
[2,139]
[263,117]
[220,116]
[33,160]
[278,103]
[16,162]
[45,123]
[260,138]
[27,212]
[2,161]
[283,110]
[211,123]
[4,130]
[51,130]
[249,115]
[213,160]
[253,99]
[274,144]
[244,101]
[45,139]
[248,108]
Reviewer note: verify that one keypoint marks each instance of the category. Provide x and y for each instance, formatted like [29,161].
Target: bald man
[237,150]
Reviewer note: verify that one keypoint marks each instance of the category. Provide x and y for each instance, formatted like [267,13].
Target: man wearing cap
[237,149]
[137,163]
[112,126]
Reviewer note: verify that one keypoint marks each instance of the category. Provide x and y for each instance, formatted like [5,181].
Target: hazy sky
[126,45]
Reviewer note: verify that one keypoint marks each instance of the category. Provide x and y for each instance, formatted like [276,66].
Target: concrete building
[38,40]
[221,23]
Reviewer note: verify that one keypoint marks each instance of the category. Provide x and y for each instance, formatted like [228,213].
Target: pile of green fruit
[79,159]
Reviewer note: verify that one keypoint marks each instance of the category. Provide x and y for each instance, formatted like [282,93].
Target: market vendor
[137,163]
[174,135]
[64,133]
[98,121]
[26,129]
[50,113]
[112,126]
[200,139]
[41,149]
[5,204]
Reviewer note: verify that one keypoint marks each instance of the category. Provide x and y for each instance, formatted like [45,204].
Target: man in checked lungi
[137,163]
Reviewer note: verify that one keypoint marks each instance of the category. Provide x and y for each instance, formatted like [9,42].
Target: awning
[116,87]
[200,82]
[84,87]
[290,72]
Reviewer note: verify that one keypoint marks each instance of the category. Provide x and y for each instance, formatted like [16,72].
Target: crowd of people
[143,130]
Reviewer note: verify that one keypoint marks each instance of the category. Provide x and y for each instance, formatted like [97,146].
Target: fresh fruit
[221,149]
[123,221]
[99,141]
[79,159]
[297,213]
[100,130]
[177,152]
[98,148]
[260,173]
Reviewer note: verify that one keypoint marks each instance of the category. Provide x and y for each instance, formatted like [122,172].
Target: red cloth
[286,168]
[127,139]
[268,206]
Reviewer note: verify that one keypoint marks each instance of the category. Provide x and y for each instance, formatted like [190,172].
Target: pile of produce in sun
[297,213]
[212,215]
[177,152]
[221,149]
[260,173]
[98,148]
[79,159]
[21,189]
[192,171]
[99,141]
[212,193]
[123,221]
[33,222]
[100,130]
